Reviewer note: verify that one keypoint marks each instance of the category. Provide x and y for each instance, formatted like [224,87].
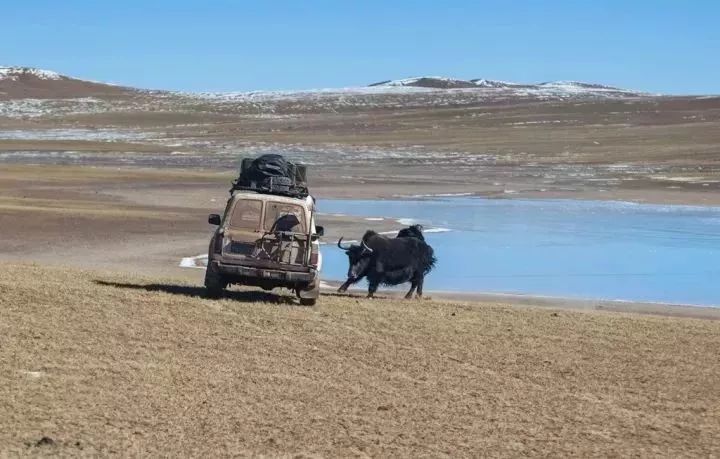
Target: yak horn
[366,247]
[341,247]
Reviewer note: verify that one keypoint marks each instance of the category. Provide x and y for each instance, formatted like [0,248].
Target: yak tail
[430,259]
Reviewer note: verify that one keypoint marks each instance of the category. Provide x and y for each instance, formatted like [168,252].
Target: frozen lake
[582,249]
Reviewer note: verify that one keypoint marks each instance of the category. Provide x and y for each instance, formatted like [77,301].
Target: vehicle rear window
[284,217]
[246,214]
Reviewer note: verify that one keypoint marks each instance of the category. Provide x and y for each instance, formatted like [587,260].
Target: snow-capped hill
[434,82]
[438,82]
[483,83]
[32,83]
[16,73]
[549,88]
[577,85]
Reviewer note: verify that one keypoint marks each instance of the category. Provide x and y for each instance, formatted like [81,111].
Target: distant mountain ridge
[38,88]
[437,82]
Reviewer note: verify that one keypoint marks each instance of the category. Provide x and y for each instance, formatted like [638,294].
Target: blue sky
[659,46]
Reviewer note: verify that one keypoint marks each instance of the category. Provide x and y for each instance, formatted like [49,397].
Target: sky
[652,45]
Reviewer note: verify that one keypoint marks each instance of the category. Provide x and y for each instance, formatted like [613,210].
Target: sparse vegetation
[96,363]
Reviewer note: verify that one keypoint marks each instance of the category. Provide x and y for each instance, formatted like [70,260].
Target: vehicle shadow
[248,296]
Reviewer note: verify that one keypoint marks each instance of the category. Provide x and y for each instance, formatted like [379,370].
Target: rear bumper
[263,273]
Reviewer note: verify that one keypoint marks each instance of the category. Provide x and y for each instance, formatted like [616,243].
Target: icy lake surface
[583,249]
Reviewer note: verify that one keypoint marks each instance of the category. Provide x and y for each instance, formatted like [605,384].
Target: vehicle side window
[284,217]
[246,215]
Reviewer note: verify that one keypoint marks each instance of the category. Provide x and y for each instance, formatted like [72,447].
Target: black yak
[412,231]
[390,261]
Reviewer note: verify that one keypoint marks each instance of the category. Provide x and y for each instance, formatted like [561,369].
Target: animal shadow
[247,296]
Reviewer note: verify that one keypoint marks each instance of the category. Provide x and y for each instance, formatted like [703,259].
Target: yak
[412,231]
[390,261]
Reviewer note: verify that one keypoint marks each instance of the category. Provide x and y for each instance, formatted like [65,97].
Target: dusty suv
[266,241]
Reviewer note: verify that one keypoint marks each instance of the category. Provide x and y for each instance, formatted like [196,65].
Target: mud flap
[312,291]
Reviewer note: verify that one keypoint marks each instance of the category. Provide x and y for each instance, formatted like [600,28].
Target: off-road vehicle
[267,236]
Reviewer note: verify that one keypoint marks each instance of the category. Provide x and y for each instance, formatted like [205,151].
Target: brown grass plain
[104,364]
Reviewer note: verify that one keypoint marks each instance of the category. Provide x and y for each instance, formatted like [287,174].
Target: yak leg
[413,285]
[345,286]
[420,286]
[372,288]
[348,283]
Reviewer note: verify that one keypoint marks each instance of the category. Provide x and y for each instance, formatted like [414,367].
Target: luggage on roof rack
[272,174]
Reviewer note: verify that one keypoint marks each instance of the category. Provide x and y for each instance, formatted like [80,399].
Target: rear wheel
[309,296]
[215,283]
[308,301]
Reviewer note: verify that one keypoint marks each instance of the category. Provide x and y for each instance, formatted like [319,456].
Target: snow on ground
[435,195]
[441,95]
[105,134]
[198,261]
[577,87]
[478,89]
[685,179]
[298,95]
[437,230]
[14,73]
[34,108]
[407,221]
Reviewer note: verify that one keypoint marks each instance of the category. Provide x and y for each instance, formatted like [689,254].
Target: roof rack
[273,185]
[272,174]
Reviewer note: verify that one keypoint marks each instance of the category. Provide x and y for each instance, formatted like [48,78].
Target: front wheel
[214,283]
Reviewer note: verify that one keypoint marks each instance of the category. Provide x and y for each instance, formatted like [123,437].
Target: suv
[266,241]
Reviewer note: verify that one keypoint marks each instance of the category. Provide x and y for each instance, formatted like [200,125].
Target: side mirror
[214,219]
[320,230]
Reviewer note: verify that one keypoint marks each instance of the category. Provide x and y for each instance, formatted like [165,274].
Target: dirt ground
[136,220]
[103,364]
[651,149]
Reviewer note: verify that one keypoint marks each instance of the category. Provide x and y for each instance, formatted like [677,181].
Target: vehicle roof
[307,202]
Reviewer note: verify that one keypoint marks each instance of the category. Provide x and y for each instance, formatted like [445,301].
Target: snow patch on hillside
[15,73]
[33,108]
[413,80]
[578,87]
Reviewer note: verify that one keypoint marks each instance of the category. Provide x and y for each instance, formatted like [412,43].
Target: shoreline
[526,197]
[696,199]
[550,302]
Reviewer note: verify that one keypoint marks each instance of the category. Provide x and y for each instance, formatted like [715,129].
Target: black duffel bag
[263,167]
[272,173]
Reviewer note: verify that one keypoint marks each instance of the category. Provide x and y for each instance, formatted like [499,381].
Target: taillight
[314,256]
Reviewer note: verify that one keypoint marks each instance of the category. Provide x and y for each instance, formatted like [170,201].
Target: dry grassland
[110,364]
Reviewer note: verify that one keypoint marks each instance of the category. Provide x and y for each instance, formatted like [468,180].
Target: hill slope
[31,83]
